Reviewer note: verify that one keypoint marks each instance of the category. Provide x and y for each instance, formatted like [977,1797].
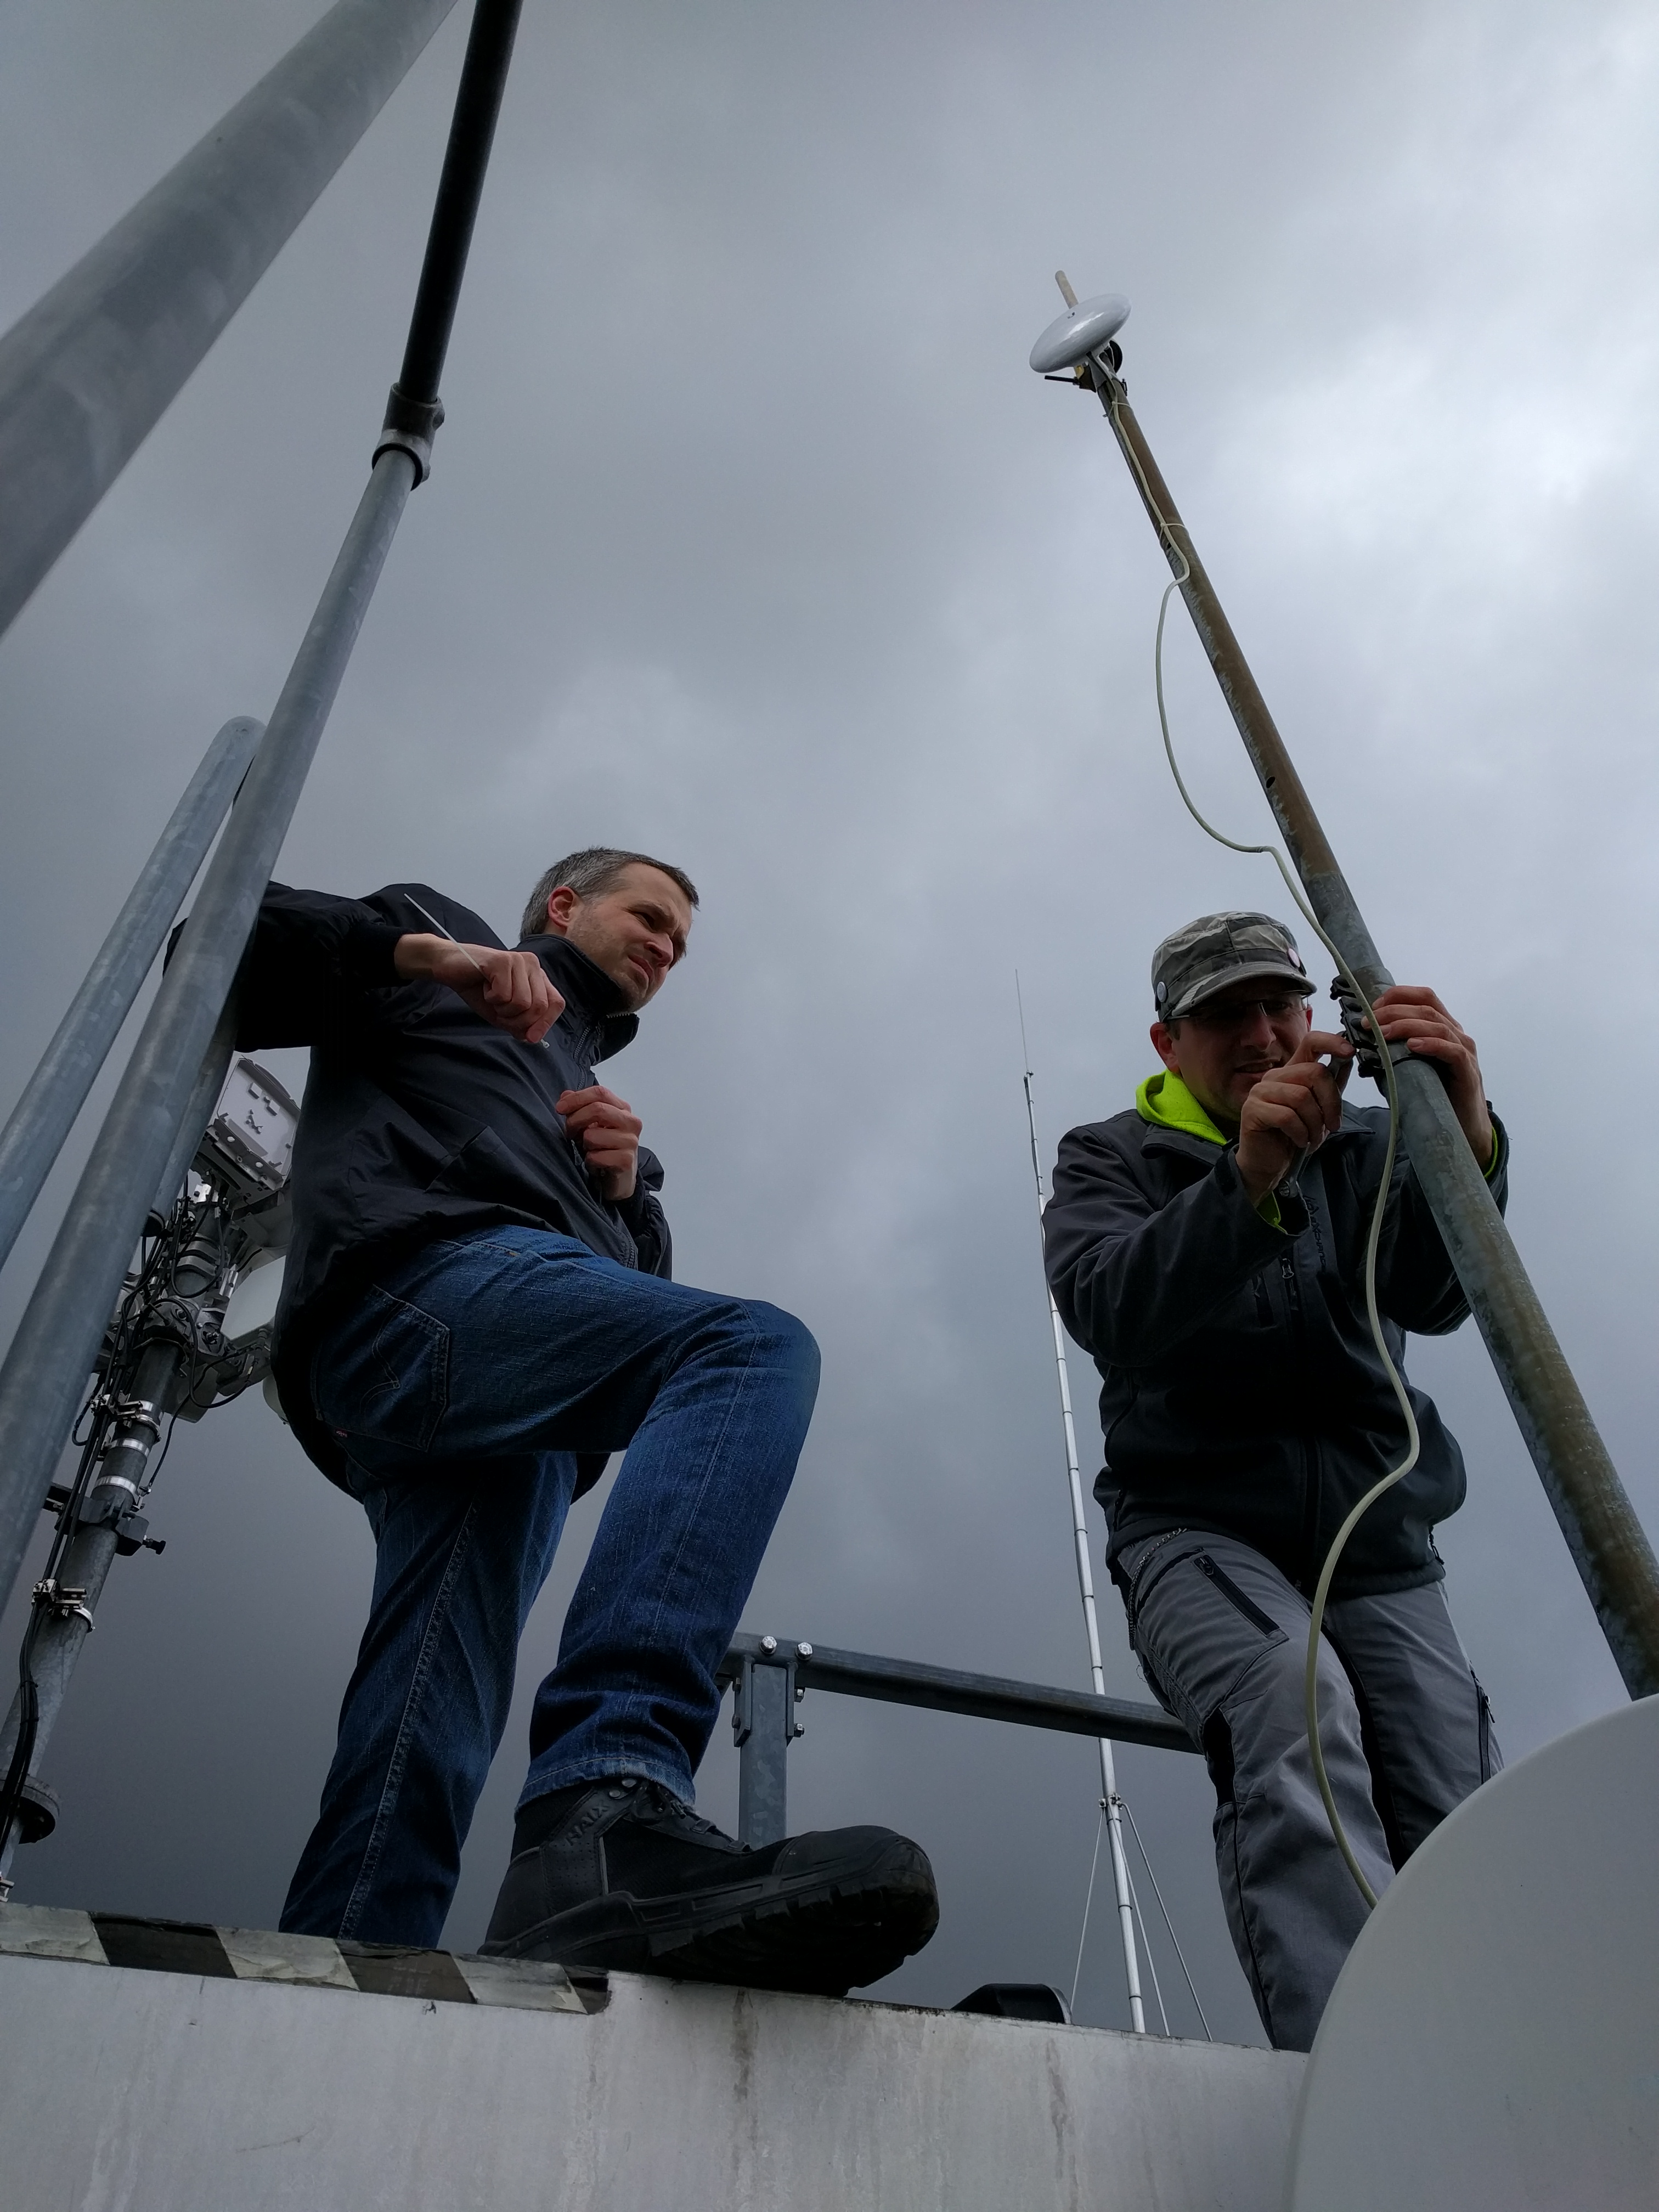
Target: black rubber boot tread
[819,1914]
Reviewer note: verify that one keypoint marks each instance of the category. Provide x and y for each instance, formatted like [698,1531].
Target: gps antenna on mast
[1608,1545]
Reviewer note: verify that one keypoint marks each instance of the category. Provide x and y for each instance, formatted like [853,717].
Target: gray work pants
[1223,1637]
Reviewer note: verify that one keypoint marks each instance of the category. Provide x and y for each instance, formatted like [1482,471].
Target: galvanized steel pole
[52,1353]
[89,371]
[44,1116]
[170,1075]
[1609,1548]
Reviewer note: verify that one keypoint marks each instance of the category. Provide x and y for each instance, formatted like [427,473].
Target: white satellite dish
[1082,330]
[1491,2041]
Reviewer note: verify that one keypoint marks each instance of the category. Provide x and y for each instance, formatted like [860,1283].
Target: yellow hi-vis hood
[1165,1100]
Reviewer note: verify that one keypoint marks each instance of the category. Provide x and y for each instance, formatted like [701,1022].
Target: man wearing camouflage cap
[1207,1248]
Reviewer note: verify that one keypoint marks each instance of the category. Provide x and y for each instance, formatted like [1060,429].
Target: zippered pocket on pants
[1235,1596]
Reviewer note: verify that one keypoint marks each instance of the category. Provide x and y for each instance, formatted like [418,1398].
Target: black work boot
[619,1872]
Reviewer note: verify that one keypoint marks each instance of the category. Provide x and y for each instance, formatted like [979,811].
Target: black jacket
[420,1120]
[1242,1389]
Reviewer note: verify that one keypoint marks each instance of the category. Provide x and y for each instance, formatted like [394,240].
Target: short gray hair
[590,873]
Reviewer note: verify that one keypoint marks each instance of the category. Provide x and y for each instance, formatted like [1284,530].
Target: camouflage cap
[1218,951]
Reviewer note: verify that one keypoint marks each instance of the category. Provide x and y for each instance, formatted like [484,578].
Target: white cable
[1321,1591]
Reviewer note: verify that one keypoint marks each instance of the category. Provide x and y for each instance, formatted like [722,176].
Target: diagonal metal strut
[87,374]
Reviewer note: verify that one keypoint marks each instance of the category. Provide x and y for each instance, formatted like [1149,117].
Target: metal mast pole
[1609,1548]
[147,1130]
[89,370]
[1111,1803]
[44,1116]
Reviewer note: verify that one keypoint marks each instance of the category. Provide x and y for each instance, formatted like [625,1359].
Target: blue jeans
[461,1386]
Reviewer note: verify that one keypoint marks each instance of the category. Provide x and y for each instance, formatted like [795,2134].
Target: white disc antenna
[1084,329]
[1490,2041]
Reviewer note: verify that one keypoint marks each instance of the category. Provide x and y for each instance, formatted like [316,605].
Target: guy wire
[1088,1899]
[1151,1963]
[1322,1592]
[1174,1939]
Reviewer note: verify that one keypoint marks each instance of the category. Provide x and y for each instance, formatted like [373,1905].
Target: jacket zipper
[1311,1484]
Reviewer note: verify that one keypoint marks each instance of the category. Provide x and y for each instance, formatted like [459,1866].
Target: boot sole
[818,1934]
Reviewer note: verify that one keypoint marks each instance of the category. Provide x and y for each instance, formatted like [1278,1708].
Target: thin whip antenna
[1111,1803]
[459,947]
[442,931]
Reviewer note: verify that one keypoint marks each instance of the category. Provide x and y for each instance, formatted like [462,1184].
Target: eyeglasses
[1238,1012]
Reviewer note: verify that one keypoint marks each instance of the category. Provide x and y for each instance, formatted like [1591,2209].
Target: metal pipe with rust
[1609,1547]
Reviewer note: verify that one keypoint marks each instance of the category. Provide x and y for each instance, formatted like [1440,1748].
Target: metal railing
[768,1677]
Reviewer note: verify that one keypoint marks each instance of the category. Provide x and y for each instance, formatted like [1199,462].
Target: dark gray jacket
[420,1121]
[1241,1389]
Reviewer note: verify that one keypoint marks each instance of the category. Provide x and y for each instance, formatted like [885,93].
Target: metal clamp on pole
[410,427]
[1367,1052]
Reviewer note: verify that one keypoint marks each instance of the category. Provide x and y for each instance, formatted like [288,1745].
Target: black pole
[478,103]
[1609,1547]
[89,371]
[413,409]
[50,1357]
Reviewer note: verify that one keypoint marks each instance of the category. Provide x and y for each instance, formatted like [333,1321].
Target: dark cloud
[752,540]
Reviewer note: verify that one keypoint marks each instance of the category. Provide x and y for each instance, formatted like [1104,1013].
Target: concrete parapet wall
[135,2091]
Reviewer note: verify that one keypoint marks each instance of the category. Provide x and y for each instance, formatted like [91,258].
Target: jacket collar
[594,1008]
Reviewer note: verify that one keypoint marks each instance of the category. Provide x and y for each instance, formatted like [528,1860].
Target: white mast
[1111,1803]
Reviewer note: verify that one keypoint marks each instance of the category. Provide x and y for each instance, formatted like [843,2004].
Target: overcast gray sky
[752,540]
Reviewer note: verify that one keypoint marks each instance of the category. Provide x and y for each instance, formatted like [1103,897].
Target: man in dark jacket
[476,1312]
[1208,1248]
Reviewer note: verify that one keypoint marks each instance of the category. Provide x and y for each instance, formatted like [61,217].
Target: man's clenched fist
[509,990]
[608,1130]
[1291,1111]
